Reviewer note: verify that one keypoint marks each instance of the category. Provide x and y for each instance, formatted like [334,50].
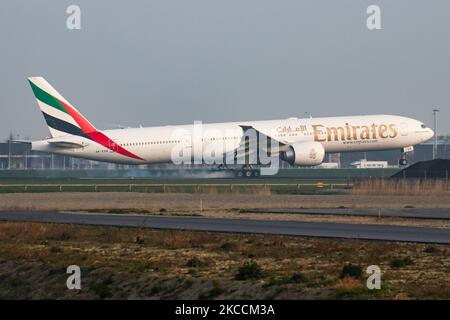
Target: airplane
[301,142]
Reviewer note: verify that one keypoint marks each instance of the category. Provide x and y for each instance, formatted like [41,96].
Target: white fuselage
[336,134]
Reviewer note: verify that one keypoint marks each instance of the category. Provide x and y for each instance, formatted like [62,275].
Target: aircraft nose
[425,134]
[428,134]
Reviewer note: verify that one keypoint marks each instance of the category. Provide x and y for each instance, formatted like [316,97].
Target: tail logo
[63,119]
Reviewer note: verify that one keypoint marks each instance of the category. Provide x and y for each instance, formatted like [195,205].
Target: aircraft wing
[263,135]
[248,148]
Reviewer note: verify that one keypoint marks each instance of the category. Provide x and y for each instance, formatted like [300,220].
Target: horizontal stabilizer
[19,141]
[66,143]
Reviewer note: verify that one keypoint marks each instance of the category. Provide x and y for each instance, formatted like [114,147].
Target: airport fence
[222,188]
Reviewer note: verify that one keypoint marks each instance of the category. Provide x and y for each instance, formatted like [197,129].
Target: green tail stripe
[46,98]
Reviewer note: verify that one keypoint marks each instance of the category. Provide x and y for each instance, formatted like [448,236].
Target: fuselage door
[187,140]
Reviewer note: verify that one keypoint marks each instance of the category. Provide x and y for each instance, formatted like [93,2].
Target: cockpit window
[423,126]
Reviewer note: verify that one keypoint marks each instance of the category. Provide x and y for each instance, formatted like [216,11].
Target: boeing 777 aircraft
[302,142]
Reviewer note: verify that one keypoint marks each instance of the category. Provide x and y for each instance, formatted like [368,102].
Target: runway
[416,213]
[314,229]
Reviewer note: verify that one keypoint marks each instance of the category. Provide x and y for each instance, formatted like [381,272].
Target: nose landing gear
[403,161]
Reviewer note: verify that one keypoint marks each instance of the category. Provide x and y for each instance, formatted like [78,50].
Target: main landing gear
[248,172]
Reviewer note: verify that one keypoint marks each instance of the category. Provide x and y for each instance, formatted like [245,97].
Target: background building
[422,152]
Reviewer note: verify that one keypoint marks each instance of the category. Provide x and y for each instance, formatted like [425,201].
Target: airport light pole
[435,111]
[9,154]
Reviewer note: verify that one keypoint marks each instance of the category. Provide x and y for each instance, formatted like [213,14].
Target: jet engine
[304,154]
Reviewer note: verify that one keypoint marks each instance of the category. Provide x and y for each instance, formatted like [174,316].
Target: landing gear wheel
[240,174]
[403,162]
[248,174]
[256,173]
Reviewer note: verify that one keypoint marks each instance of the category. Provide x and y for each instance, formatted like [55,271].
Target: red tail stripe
[96,135]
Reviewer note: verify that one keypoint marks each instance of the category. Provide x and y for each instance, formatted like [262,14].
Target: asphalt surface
[315,229]
[432,213]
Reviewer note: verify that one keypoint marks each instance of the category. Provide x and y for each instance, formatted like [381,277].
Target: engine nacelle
[304,154]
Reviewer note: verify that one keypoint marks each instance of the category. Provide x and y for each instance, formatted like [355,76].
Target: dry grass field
[134,263]
[148,264]
[432,187]
[193,202]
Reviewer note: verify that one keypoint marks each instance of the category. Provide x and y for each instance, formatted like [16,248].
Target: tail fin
[61,117]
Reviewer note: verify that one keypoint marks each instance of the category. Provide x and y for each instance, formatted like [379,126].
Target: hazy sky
[159,62]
